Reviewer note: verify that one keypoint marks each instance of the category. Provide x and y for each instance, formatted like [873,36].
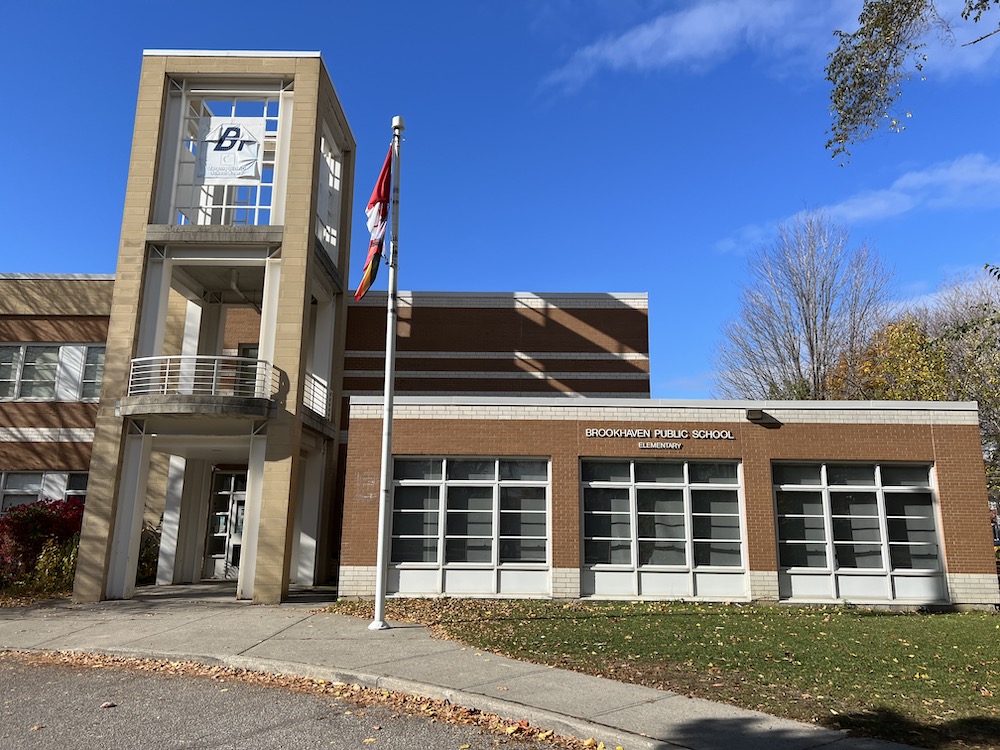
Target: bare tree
[809,303]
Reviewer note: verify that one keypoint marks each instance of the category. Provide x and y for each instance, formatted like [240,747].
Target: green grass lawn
[925,679]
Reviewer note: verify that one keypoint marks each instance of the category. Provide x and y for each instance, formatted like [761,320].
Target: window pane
[802,555]
[535,471]
[468,550]
[10,357]
[716,527]
[415,498]
[863,474]
[856,530]
[909,504]
[905,476]
[797,474]
[665,473]
[661,527]
[715,501]
[24,481]
[801,529]
[659,501]
[715,553]
[522,550]
[607,552]
[77,482]
[614,525]
[93,372]
[712,473]
[911,530]
[914,557]
[414,524]
[470,498]
[606,471]
[606,499]
[522,498]
[858,555]
[414,550]
[470,524]
[662,553]
[800,503]
[460,470]
[408,468]
[38,374]
[853,504]
[522,524]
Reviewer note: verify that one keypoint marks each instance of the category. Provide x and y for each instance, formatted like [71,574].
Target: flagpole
[385,496]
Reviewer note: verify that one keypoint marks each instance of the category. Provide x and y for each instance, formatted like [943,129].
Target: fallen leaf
[42,726]
[368,740]
[108,704]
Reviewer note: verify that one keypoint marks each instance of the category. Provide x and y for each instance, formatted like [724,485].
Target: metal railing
[316,395]
[203,376]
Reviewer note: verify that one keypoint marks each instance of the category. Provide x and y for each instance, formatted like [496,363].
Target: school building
[222,388]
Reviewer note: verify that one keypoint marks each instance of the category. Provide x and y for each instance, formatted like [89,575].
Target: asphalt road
[55,706]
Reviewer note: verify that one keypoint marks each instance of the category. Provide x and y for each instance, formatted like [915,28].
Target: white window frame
[839,576]
[440,487]
[686,486]
[52,485]
[193,203]
[70,377]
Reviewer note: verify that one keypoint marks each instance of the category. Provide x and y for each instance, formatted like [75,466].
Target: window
[51,372]
[20,488]
[23,487]
[245,126]
[470,511]
[93,372]
[645,514]
[834,515]
[76,486]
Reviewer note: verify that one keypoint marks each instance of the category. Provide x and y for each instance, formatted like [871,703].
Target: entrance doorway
[225,524]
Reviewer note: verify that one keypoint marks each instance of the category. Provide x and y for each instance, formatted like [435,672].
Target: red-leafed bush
[26,529]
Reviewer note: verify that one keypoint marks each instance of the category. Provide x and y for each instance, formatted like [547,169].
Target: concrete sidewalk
[205,623]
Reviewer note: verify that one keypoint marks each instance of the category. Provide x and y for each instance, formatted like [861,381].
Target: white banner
[230,150]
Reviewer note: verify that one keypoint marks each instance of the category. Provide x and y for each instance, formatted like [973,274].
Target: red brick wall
[954,450]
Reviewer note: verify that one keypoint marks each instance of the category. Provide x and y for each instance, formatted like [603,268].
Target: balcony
[205,385]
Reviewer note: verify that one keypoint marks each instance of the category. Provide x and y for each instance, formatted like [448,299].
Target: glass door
[225,525]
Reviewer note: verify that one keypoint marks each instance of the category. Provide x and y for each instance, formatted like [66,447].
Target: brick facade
[945,436]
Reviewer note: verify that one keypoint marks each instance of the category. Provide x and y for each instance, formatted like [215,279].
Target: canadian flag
[377,213]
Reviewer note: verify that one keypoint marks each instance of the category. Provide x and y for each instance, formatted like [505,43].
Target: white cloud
[968,182]
[706,33]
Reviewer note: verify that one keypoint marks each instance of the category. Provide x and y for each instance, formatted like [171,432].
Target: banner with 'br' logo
[230,150]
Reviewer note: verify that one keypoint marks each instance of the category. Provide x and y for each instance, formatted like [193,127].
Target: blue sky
[551,145]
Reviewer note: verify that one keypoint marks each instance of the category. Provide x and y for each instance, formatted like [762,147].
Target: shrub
[25,530]
[56,566]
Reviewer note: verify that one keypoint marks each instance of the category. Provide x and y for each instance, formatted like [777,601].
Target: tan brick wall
[242,327]
[60,296]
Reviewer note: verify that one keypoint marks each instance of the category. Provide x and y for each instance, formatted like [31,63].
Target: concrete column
[251,517]
[170,527]
[155,296]
[193,522]
[124,555]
